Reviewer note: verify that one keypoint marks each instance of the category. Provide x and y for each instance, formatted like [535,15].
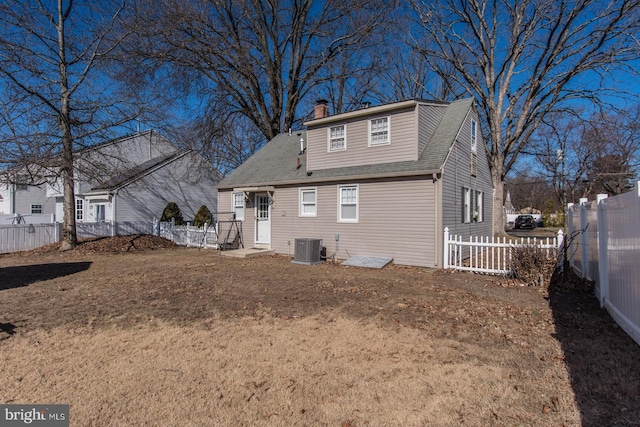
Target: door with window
[263,219]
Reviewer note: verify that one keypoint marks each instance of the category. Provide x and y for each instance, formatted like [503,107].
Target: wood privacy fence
[491,255]
[605,248]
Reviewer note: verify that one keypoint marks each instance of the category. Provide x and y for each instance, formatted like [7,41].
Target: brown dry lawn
[136,332]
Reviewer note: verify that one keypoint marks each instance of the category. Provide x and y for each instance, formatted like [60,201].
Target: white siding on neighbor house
[402,147]
[33,195]
[5,199]
[456,175]
[429,117]
[396,219]
[186,181]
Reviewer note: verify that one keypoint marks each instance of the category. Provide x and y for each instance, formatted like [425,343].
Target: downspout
[12,198]
[114,224]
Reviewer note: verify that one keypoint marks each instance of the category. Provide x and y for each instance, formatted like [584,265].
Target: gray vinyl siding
[34,195]
[402,147]
[429,117]
[456,175]
[186,181]
[396,219]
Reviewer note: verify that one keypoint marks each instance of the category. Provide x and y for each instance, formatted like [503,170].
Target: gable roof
[135,173]
[277,162]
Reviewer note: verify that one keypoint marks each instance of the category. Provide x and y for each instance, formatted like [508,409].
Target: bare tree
[524,60]
[599,152]
[58,94]
[254,58]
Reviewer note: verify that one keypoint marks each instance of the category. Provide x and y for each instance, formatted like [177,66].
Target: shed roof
[280,161]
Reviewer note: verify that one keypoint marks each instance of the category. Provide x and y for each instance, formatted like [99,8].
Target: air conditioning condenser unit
[308,251]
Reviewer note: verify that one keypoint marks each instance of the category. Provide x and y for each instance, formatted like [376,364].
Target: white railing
[25,237]
[605,248]
[490,255]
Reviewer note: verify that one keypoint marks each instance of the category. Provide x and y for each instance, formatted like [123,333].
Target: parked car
[525,221]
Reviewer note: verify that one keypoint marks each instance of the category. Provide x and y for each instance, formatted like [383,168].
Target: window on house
[308,204]
[472,205]
[348,210]
[36,209]
[379,131]
[337,138]
[479,212]
[238,205]
[79,209]
[474,136]
[466,205]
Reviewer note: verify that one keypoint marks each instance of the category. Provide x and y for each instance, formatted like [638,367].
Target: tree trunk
[499,219]
[69,236]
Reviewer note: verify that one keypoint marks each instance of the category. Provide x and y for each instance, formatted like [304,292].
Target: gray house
[129,179]
[380,181]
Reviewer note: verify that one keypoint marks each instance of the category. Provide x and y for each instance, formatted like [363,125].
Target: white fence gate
[605,248]
[490,255]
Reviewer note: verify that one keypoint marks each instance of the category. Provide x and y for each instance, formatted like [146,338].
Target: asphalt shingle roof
[276,163]
[138,171]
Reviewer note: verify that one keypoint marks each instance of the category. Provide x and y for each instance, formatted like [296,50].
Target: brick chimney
[321,110]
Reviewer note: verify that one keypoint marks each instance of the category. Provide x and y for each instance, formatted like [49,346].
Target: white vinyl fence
[490,255]
[605,248]
[24,237]
[187,235]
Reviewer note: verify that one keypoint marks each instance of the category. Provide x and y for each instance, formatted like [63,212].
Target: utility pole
[565,256]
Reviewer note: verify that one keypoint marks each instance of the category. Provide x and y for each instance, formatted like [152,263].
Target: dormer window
[379,131]
[338,138]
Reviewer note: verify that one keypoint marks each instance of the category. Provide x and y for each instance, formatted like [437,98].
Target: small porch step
[247,252]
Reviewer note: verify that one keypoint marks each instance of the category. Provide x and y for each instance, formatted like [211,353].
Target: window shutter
[482,213]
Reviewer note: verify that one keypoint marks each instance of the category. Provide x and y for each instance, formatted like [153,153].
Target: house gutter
[435,174]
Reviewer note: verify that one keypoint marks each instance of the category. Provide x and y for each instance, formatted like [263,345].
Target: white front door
[263,219]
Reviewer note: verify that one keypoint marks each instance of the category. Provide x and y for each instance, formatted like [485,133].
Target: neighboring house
[129,179]
[380,181]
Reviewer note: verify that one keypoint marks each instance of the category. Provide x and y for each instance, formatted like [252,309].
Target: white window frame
[387,130]
[341,203]
[238,208]
[479,202]
[331,139]
[302,204]
[79,209]
[466,208]
[37,209]
[474,136]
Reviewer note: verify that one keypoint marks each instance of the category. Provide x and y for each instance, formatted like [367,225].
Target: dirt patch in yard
[160,335]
